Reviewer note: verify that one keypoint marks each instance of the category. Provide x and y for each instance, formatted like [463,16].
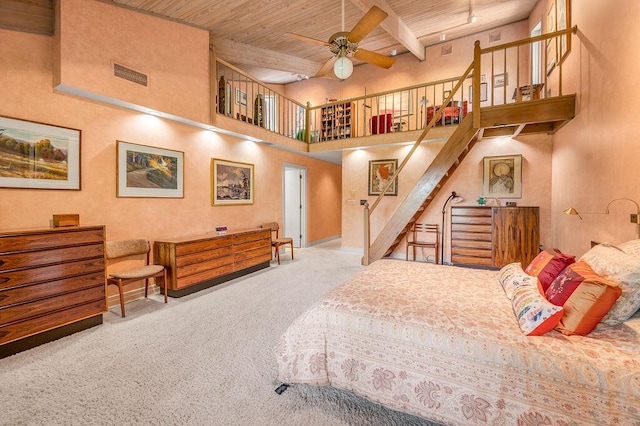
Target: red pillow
[547,265]
[585,296]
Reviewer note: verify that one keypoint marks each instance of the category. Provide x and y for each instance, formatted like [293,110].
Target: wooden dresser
[199,262]
[494,236]
[52,283]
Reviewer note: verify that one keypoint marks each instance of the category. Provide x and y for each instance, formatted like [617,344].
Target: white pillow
[623,268]
[631,247]
[510,276]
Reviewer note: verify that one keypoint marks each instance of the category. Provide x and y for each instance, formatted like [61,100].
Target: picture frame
[551,44]
[241,97]
[501,80]
[483,92]
[36,155]
[148,172]
[502,176]
[563,21]
[232,183]
[379,173]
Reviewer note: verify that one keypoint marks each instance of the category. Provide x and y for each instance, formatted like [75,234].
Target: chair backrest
[425,228]
[273,226]
[123,248]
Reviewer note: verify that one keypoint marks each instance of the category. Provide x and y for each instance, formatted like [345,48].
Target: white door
[294,208]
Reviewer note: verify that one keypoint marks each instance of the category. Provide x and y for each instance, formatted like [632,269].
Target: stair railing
[436,116]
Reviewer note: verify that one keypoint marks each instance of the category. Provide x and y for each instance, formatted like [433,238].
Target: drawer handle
[1,262]
[3,333]
[4,280]
[3,296]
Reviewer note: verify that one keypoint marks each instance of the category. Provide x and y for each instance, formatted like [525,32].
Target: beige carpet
[204,359]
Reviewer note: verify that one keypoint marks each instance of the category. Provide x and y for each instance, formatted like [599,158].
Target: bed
[442,342]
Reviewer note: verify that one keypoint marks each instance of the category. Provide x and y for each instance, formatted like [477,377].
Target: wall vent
[129,74]
[446,49]
[495,37]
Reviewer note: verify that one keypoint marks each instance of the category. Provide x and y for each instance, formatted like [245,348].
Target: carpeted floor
[204,359]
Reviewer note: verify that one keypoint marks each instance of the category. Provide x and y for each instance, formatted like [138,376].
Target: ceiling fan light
[343,68]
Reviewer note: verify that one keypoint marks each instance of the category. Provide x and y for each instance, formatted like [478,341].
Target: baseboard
[324,240]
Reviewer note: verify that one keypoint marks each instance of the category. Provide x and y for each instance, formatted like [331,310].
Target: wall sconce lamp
[454,198]
[634,216]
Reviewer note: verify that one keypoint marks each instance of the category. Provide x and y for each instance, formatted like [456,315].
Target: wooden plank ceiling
[252,34]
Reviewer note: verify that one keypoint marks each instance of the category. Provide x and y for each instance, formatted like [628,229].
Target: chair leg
[278,253]
[291,251]
[121,297]
[146,287]
[165,285]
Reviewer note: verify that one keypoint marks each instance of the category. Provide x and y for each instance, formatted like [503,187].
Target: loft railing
[498,62]
[244,98]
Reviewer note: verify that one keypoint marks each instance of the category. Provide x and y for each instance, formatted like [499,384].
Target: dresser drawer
[196,268]
[205,275]
[471,211]
[51,256]
[197,246]
[18,330]
[248,262]
[202,256]
[251,245]
[51,288]
[248,254]
[21,277]
[252,236]
[44,240]
[470,260]
[469,251]
[44,306]
[479,229]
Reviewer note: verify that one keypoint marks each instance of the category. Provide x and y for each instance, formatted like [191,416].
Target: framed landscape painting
[232,183]
[38,156]
[148,172]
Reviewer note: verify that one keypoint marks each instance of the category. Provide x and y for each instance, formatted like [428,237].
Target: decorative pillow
[585,296]
[534,313]
[509,277]
[623,269]
[631,247]
[547,265]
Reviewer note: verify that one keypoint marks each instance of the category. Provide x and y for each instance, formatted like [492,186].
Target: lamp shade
[572,211]
[343,68]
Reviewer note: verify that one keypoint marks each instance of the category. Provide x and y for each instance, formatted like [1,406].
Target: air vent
[129,74]
[495,37]
[446,49]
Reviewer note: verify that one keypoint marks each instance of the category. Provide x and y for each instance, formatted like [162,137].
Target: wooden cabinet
[52,283]
[494,236]
[337,121]
[196,263]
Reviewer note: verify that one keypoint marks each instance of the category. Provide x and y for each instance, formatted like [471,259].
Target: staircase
[540,116]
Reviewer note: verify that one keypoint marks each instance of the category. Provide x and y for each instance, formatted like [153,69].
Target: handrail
[530,40]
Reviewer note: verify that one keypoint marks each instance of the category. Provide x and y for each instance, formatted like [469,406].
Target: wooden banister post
[307,123]
[476,84]
[367,235]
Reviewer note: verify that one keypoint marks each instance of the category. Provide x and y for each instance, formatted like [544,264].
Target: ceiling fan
[345,43]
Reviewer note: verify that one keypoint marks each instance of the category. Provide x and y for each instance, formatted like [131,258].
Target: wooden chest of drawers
[52,283]
[494,236]
[199,262]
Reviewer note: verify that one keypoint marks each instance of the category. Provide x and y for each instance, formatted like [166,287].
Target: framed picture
[241,97]
[379,173]
[500,80]
[551,49]
[232,183]
[149,172]
[483,92]
[227,99]
[563,22]
[502,177]
[38,156]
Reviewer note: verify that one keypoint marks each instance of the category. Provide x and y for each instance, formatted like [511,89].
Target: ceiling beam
[395,27]
[239,53]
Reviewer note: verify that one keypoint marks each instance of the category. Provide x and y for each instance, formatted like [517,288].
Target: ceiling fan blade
[367,23]
[308,39]
[327,67]
[374,58]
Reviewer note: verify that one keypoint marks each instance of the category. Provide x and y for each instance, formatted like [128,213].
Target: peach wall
[596,157]
[26,90]
[93,34]
[466,181]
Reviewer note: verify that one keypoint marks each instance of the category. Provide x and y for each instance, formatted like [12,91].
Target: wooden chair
[278,242]
[128,248]
[423,235]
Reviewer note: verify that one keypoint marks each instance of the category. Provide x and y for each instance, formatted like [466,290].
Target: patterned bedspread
[442,342]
